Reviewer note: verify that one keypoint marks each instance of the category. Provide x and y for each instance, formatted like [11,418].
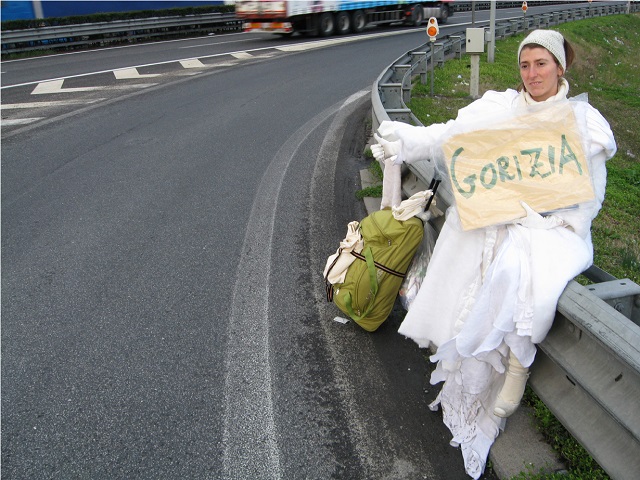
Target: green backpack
[372,282]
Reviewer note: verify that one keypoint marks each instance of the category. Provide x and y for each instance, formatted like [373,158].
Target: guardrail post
[623,295]
[419,62]
[501,31]
[401,73]
[391,95]
[456,45]
[438,54]
[399,114]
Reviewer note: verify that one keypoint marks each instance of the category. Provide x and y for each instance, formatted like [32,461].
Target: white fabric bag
[337,265]
[418,269]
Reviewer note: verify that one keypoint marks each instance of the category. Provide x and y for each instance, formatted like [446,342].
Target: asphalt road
[162,249]
[162,253]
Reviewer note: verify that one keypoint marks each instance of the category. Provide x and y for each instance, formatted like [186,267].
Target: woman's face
[539,72]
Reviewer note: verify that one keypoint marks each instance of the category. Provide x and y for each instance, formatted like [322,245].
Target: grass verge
[376,170]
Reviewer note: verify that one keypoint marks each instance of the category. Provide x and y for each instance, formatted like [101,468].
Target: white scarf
[563,89]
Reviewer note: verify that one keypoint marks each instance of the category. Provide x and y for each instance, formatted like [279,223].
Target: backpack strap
[373,282]
[380,266]
[328,287]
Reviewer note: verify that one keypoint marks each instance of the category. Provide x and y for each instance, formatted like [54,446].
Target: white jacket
[549,258]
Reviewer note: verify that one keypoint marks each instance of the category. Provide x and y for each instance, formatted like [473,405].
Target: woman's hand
[386,150]
[535,220]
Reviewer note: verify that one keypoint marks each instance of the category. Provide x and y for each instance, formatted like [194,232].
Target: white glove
[386,150]
[378,152]
[535,220]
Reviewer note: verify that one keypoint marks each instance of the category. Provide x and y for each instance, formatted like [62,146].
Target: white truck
[325,18]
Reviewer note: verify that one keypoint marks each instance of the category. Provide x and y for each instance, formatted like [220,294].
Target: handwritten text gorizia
[536,157]
[531,162]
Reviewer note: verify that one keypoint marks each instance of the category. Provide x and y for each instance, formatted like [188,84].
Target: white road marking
[192,63]
[301,47]
[284,48]
[19,121]
[58,103]
[242,55]
[126,73]
[55,86]
[219,43]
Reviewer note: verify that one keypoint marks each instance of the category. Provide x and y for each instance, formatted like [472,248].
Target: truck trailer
[325,18]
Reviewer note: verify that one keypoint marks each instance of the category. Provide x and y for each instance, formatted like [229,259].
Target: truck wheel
[343,23]
[417,16]
[358,21]
[326,24]
[444,15]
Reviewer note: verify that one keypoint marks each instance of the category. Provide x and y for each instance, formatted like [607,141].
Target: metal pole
[473,14]
[37,9]
[433,51]
[492,32]
[474,83]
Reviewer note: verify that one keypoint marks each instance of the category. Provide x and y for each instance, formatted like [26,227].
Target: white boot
[509,397]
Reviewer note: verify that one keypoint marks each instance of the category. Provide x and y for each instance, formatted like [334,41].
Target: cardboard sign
[536,157]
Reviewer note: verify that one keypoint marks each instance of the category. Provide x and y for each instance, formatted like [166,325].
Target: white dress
[493,289]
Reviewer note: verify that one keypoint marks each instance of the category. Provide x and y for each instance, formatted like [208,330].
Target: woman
[490,293]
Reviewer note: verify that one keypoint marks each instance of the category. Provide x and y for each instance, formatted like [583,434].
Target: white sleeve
[424,142]
[601,146]
[420,143]
[417,141]
[602,140]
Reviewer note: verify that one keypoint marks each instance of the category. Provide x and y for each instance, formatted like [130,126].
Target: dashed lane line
[55,86]
[132,72]
[192,63]
[242,55]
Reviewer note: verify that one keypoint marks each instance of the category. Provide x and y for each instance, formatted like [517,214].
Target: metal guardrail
[52,37]
[587,370]
[103,33]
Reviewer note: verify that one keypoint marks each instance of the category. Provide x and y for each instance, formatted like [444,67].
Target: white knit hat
[549,39]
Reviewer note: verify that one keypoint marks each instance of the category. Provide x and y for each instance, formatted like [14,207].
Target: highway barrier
[100,34]
[105,33]
[587,370]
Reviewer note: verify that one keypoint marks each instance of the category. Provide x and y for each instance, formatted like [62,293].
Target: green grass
[580,465]
[607,67]
[376,170]
[375,192]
